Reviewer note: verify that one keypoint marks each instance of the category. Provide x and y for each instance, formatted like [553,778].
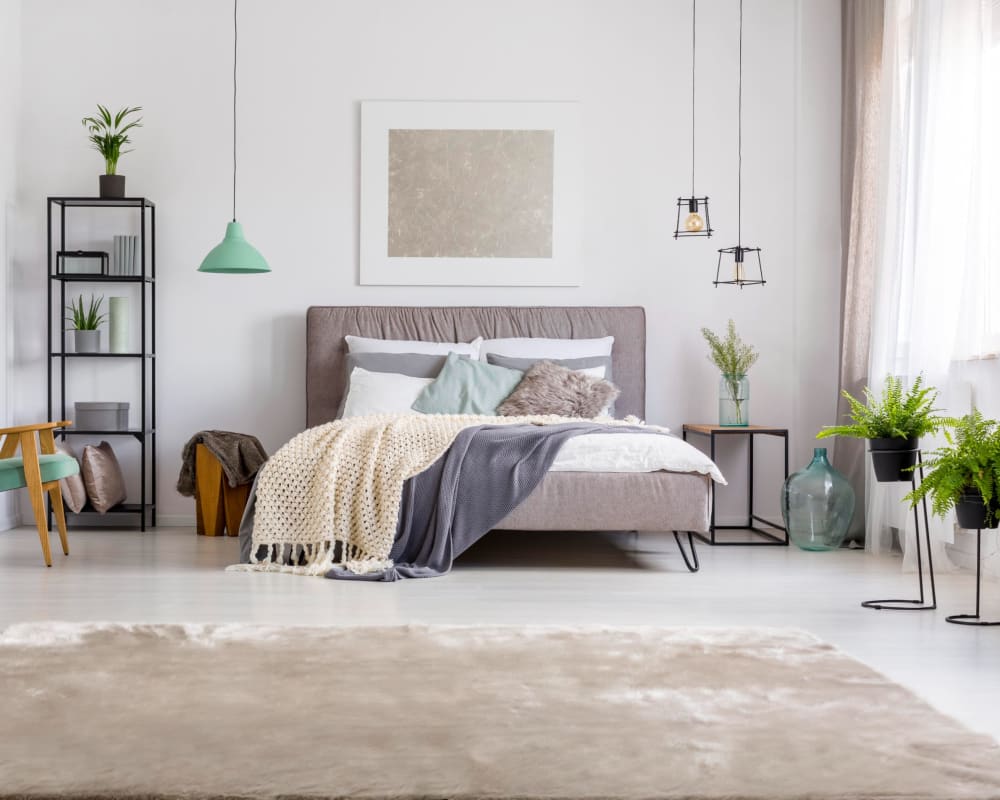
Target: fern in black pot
[965,474]
[893,424]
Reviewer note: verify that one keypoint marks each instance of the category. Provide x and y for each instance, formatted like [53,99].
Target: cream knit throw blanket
[332,494]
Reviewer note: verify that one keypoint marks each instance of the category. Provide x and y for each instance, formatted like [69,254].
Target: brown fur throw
[240,455]
[548,388]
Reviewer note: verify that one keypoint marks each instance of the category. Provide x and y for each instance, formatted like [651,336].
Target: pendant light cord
[235,3]
[694,11]
[739,141]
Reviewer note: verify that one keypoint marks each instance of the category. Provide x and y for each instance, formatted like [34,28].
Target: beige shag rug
[129,711]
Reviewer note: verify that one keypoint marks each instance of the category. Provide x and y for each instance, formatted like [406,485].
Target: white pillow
[362,344]
[382,393]
[548,348]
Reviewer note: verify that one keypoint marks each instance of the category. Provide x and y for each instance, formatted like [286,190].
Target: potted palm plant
[734,358]
[86,319]
[893,425]
[965,474]
[108,134]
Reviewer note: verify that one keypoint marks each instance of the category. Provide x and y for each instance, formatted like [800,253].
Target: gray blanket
[485,474]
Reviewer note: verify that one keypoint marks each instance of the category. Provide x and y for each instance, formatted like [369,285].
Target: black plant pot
[894,458]
[972,514]
[112,186]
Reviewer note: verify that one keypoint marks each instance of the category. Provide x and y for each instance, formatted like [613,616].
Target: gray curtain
[860,135]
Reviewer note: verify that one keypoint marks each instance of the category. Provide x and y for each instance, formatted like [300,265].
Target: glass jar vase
[817,504]
[734,401]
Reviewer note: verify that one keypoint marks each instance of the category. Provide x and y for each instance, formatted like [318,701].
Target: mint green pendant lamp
[234,255]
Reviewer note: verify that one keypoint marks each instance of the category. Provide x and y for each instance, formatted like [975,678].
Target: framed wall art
[470,194]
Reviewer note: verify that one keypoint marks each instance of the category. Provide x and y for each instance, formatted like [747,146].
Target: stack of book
[125,256]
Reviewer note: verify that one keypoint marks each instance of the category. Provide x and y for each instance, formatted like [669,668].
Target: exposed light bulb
[694,223]
[739,274]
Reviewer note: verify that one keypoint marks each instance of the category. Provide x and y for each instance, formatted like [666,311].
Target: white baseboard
[9,520]
[175,520]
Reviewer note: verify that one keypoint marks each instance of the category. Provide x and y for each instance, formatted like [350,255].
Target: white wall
[10,88]
[231,349]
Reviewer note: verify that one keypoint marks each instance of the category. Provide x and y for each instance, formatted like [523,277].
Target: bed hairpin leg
[691,563]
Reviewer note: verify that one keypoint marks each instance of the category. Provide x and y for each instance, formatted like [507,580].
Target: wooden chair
[39,468]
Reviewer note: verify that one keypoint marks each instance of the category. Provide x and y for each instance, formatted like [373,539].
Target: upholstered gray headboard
[326,327]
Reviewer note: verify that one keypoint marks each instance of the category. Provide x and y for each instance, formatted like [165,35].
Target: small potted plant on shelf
[734,358]
[965,474]
[108,134]
[893,425]
[86,319]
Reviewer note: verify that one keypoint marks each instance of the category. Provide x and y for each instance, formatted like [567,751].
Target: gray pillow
[548,388]
[413,365]
[74,493]
[586,362]
[524,364]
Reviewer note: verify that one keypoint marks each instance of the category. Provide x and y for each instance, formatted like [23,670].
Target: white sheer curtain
[936,257]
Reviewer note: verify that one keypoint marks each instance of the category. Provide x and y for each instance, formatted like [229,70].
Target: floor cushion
[53,467]
[102,476]
[73,491]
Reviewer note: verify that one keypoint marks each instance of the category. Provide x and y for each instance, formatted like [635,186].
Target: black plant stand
[974,619]
[920,604]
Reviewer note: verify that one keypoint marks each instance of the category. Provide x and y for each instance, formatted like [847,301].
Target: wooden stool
[219,506]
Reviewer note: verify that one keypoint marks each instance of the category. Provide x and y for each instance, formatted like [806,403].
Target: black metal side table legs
[974,619]
[920,604]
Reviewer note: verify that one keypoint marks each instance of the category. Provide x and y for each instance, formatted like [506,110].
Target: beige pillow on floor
[102,476]
[74,493]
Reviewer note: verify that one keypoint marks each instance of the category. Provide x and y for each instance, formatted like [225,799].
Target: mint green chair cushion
[53,468]
[465,386]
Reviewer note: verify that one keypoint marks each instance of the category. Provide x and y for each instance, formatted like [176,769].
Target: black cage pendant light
[742,263]
[692,212]
[234,255]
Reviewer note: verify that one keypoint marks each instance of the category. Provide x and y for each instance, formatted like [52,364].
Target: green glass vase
[817,504]
[734,401]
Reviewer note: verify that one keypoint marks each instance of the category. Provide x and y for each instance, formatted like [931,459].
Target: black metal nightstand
[766,537]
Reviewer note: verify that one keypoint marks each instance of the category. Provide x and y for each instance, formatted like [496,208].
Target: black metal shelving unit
[145,434]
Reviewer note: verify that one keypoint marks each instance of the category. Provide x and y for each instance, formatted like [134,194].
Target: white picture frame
[556,262]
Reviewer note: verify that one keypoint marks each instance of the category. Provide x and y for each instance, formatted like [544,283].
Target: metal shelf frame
[145,434]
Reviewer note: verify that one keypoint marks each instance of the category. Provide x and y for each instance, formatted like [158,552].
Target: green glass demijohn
[817,504]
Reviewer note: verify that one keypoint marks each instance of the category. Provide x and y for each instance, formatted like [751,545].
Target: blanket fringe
[318,559]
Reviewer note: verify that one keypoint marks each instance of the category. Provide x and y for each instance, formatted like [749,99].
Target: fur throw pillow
[548,388]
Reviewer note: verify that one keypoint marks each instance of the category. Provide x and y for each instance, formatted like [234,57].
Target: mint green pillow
[465,386]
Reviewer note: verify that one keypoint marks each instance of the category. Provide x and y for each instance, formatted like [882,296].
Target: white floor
[173,575]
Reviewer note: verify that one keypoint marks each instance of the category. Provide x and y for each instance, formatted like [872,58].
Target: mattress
[633,452]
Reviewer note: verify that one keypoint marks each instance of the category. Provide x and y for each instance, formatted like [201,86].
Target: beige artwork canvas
[470,193]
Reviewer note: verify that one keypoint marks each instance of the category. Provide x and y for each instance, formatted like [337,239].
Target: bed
[563,501]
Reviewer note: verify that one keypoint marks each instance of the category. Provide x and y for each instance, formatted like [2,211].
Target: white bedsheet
[633,452]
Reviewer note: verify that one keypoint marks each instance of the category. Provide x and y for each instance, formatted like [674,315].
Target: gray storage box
[101,416]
